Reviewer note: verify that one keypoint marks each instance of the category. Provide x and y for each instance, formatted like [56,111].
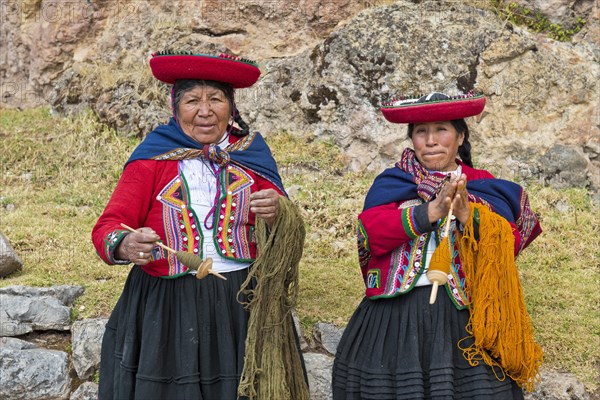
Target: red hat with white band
[433,107]
[169,66]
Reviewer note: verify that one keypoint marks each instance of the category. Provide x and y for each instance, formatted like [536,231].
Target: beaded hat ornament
[169,66]
[433,107]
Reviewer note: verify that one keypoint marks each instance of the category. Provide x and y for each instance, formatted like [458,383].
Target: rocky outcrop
[42,39]
[322,77]
[541,93]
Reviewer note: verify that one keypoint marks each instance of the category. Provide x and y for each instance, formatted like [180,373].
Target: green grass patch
[57,175]
[536,21]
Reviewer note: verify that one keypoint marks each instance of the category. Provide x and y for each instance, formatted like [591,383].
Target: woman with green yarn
[203,186]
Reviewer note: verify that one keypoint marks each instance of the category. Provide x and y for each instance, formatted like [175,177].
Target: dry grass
[134,73]
[57,175]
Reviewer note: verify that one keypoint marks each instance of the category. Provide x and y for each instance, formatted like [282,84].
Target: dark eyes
[212,100]
[439,128]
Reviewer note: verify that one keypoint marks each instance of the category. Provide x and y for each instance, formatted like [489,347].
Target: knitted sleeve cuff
[111,241]
[416,222]
[422,219]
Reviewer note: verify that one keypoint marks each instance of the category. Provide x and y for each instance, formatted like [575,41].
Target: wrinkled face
[436,145]
[203,114]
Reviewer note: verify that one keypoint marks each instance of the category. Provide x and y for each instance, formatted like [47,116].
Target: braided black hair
[464,150]
[245,129]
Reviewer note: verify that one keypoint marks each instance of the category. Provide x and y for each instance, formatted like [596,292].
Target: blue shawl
[505,198]
[169,142]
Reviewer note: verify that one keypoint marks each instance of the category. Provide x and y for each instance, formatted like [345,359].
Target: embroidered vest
[398,272]
[233,230]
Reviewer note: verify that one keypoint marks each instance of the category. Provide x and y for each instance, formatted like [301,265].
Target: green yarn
[272,365]
[190,260]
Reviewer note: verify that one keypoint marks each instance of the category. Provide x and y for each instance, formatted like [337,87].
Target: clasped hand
[453,192]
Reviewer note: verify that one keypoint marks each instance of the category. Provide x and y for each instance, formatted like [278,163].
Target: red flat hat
[433,107]
[170,66]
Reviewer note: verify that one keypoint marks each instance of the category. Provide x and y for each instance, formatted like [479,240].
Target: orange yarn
[499,322]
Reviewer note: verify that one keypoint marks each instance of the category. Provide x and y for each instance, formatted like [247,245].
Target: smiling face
[203,113]
[436,145]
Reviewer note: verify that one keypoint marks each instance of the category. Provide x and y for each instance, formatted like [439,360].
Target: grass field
[57,175]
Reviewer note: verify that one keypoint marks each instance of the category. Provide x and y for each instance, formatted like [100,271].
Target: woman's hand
[265,204]
[452,192]
[137,246]
[461,208]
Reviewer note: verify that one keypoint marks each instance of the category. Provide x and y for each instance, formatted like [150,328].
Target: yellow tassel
[439,267]
[499,322]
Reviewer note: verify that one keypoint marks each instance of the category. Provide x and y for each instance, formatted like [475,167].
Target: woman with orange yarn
[475,341]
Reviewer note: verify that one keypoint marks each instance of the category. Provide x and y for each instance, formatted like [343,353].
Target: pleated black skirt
[175,339]
[405,348]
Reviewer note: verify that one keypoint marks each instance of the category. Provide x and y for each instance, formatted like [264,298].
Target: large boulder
[9,260]
[539,92]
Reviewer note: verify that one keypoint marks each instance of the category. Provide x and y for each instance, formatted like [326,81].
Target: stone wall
[56,366]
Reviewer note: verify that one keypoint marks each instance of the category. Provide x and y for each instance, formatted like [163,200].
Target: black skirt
[177,339]
[405,348]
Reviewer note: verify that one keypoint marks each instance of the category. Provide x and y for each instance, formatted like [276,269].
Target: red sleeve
[387,227]
[263,184]
[128,204]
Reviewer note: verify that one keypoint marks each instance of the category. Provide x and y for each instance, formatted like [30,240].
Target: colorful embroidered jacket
[152,193]
[392,245]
